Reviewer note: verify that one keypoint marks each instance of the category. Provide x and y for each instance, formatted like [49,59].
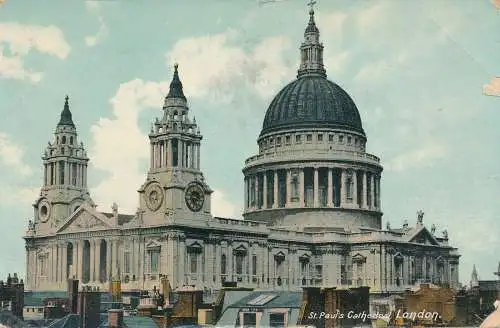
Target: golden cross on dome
[311,4]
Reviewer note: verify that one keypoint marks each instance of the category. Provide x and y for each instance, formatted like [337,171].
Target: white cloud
[113,135]
[13,68]
[12,155]
[95,8]
[222,207]
[21,39]
[19,196]
[492,89]
[423,156]
[214,65]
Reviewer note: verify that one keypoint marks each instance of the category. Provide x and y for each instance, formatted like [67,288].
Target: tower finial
[176,85]
[311,49]
[66,117]
[311,6]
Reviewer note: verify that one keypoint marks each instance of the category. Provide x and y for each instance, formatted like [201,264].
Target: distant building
[12,296]
[313,215]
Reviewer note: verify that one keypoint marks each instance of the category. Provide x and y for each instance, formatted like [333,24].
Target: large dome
[312,101]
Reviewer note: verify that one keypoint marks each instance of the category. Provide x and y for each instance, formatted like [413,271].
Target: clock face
[154,197]
[195,196]
[44,210]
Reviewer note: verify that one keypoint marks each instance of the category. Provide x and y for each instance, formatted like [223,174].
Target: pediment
[240,249]
[358,258]
[153,244]
[280,254]
[83,219]
[305,257]
[423,236]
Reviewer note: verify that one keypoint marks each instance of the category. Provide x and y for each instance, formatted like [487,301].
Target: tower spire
[474,282]
[311,50]
[66,117]
[176,85]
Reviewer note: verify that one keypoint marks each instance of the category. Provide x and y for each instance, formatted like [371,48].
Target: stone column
[275,189]
[64,263]
[115,258]
[343,188]
[264,189]
[245,201]
[302,187]
[355,188]
[330,187]
[316,187]
[288,187]
[53,263]
[256,191]
[197,156]
[372,191]
[378,191]
[97,268]
[151,156]
[79,272]
[230,255]
[92,260]
[364,193]
[182,260]
[180,153]
[169,153]
[109,255]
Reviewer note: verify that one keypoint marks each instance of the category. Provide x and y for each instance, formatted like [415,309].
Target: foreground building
[312,206]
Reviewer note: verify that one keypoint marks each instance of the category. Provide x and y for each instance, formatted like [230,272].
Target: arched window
[63,139]
[70,140]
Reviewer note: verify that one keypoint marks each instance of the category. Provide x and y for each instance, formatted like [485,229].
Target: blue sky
[422,73]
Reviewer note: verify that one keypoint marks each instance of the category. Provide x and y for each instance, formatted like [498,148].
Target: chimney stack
[115,318]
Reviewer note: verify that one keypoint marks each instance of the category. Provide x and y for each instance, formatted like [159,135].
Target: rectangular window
[319,270]
[193,262]
[298,138]
[239,264]
[320,137]
[278,141]
[349,140]
[309,138]
[330,138]
[73,174]
[277,320]
[154,257]
[303,268]
[341,139]
[42,266]
[61,172]
[126,262]
[288,140]
[249,320]
[254,265]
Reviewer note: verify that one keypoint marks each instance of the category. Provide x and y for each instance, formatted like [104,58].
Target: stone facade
[312,213]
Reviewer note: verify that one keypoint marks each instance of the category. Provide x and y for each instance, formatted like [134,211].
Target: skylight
[262,299]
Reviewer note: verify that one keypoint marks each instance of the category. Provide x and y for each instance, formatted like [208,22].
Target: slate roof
[312,102]
[489,285]
[36,298]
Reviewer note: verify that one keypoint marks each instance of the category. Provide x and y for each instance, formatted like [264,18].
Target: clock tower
[175,188]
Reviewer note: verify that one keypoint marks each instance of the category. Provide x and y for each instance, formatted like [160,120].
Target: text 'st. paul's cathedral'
[312,213]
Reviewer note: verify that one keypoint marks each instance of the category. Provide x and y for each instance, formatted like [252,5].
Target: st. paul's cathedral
[312,212]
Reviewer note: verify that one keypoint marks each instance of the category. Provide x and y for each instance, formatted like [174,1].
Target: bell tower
[175,186]
[65,176]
